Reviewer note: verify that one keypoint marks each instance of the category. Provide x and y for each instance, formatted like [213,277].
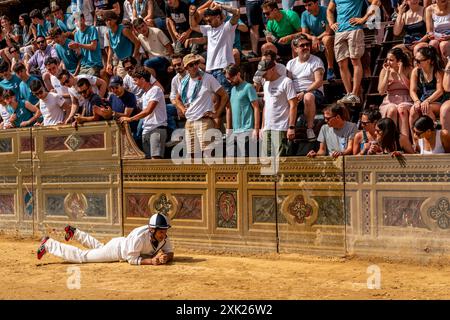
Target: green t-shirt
[289,24]
[241,100]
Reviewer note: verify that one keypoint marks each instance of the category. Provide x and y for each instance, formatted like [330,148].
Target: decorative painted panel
[6,204]
[403,212]
[138,205]
[331,210]
[264,209]
[74,142]
[96,205]
[440,213]
[168,177]
[55,204]
[189,206]
[5,145]
[226,208]
[26,144]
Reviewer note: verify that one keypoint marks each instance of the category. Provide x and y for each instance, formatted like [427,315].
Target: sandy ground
[197,275]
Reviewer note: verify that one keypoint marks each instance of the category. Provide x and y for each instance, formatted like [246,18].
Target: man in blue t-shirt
[315,26]
[68,56]
[243,117]
[24,88]
[349,42]
[86,39]
[123,103]
[9,80]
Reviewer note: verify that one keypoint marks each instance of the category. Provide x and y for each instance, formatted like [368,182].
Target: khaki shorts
[349,44]
[195,134]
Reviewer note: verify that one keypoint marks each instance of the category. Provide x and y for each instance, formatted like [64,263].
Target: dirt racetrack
[197,275]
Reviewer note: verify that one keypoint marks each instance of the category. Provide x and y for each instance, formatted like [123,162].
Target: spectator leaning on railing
[427,139]
[337,134]
[366,136]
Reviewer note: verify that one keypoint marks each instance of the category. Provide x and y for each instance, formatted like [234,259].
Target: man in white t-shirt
[195,102]
[280,109]
[69,81]
[306,71]
[154,113]
[220,37]
[53,107]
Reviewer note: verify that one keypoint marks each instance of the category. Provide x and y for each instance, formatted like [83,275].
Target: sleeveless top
[426,89]
[416,29]
[120,44]
[438,147]
[441,24]
[397,87]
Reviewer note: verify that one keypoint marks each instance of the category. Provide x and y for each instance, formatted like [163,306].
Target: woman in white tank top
[428,139]
[437,18]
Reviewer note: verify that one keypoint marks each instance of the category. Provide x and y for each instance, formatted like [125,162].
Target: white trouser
[98,252]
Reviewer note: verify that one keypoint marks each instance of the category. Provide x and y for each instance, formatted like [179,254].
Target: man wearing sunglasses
[195,102]
[38,59]
[54,109]
[306,71]
[282,27]
[96,85]
[94,107]
[130,64]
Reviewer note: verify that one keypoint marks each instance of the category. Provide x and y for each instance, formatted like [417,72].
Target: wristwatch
[292,127]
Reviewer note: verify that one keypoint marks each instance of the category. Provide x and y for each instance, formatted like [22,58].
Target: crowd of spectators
[159,66]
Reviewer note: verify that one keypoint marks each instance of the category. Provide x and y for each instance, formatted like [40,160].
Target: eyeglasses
[83,91]
[38,93]
[327,119]
[419,61]
[266,13]
[39,42]
[12,50]
[192,64]
[129,68]
[176,64]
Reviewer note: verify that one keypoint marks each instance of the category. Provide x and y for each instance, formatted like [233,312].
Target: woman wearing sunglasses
[366,136]
[426,88]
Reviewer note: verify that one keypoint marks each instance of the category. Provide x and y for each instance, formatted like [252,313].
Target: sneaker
[310,134]
[41,250]
[350,98]
[70,232]
[330,75]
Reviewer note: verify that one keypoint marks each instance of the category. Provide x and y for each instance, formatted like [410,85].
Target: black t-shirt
[106,5]
[127,100]
[180,16]
[94,100]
